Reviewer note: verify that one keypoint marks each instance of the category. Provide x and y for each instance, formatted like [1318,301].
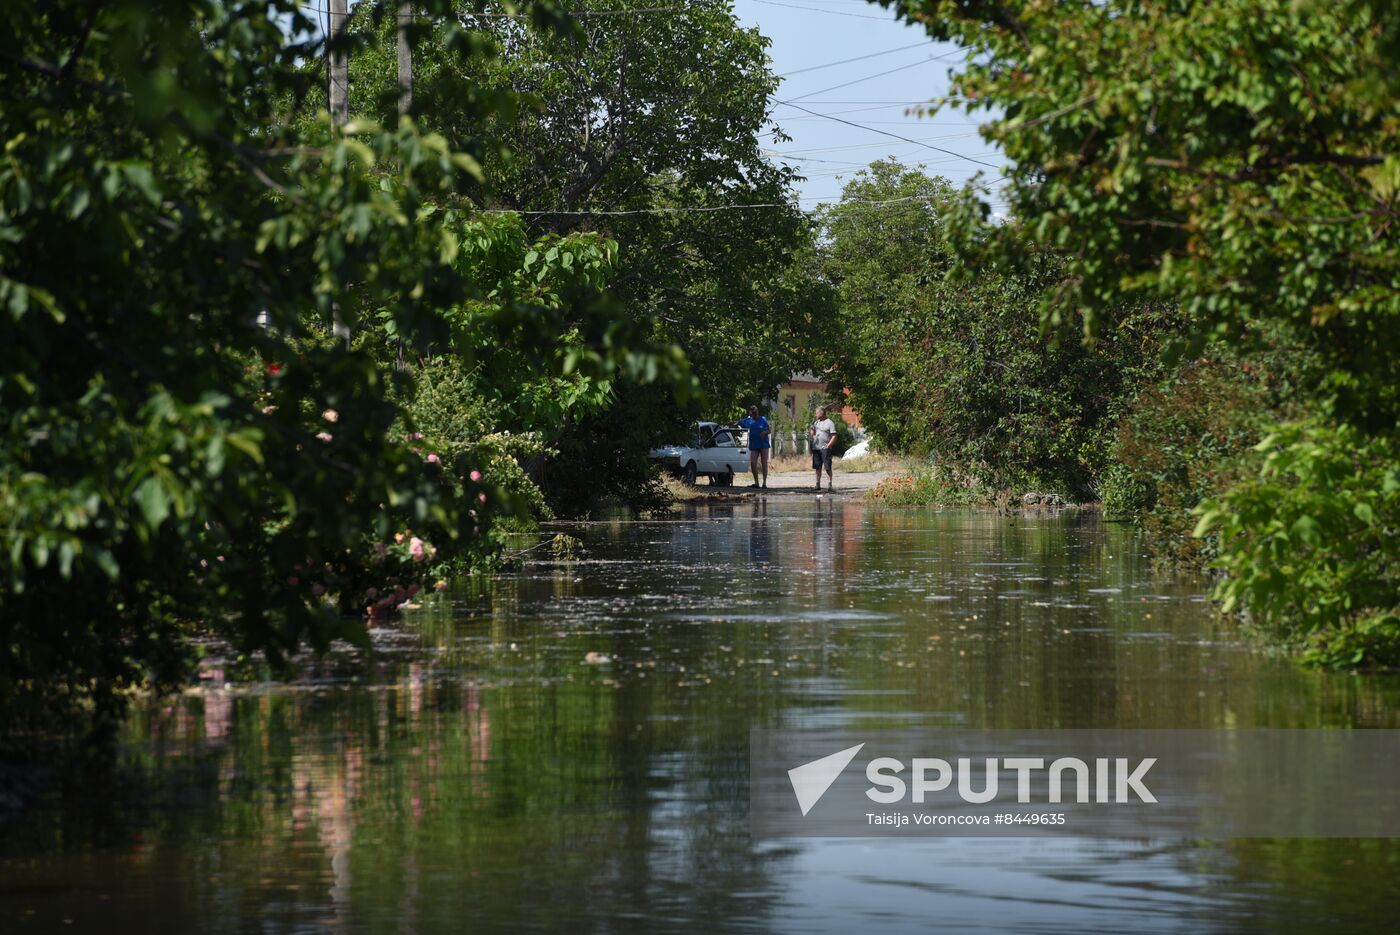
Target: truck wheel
[690,474]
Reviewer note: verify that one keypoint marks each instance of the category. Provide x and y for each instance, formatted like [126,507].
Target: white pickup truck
[717,452]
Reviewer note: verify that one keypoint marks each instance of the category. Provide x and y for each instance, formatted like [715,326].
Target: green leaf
[154,501]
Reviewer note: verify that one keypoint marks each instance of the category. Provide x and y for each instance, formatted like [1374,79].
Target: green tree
[1237,159]
[647,128]
[956,368]
[182,444]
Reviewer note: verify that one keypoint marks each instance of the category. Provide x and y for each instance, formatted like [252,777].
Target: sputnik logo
[811,780]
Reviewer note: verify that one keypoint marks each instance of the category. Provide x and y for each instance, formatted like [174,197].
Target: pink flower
[330,415]
[417,436]
[380,550]
[318,589]
[476,475]
[432,458]
[371,593]
[324,436]
[415,548]
[481,497]
[293,581]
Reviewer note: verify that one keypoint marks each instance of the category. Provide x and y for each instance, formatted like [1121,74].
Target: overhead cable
[895,136]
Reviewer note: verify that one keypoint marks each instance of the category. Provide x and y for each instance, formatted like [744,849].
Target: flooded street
[567,746]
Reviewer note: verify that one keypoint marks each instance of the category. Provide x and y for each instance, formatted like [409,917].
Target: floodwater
[487,768]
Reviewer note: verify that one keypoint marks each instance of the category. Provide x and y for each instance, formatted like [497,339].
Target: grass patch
[870,464]
[930,486]
[876,462]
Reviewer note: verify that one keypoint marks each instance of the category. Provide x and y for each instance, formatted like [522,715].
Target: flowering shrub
[376,583]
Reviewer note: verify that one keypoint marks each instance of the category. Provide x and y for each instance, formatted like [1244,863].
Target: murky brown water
[478,774]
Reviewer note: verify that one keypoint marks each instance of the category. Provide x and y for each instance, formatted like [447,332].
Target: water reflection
[567,746]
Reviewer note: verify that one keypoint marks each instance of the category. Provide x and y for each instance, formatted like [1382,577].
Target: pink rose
[415,549]
[476,475]
[324,436]
[330,415]
[481,497]
[432,458]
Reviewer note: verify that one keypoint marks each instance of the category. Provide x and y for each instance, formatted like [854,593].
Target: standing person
[823,436]
[759,443]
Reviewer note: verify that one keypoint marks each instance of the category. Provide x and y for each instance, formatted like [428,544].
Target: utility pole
[339,93]
[405,60]
[340,63]
[405,105]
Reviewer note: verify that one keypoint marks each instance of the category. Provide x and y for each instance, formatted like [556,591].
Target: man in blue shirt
[760,440]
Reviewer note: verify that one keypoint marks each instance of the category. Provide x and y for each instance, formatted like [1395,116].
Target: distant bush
[1308,545]
[1182,440]
[959,368]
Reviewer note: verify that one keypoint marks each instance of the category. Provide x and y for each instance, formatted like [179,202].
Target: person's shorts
[821,458]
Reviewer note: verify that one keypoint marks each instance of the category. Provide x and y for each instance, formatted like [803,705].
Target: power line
[876,103]
[847,61]
[878,74]
[693,209]
[906,122]
[834,162]
[856,110]
[812,9]
[833,149]
[576,14]
[835,87]
[896,136]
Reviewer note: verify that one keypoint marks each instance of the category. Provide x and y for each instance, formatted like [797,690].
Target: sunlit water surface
[487,768]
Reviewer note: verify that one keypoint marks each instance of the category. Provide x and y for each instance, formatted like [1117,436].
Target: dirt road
[795,483]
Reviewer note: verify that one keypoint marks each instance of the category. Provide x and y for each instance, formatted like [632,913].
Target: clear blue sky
[810,33]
